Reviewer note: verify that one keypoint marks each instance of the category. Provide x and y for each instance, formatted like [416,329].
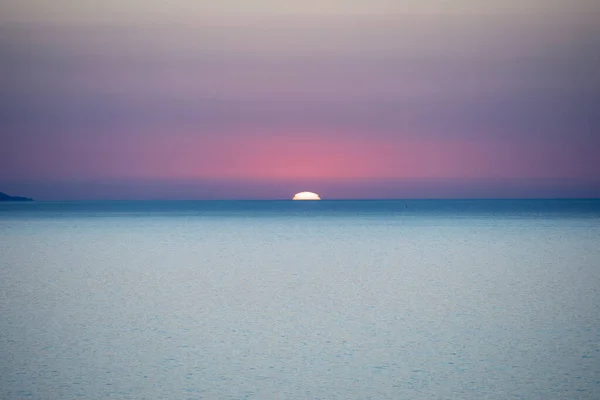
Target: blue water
[415,299]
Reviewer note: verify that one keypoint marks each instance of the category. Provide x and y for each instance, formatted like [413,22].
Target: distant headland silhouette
[5,197]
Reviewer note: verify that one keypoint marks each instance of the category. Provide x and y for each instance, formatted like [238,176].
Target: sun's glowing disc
[306,196]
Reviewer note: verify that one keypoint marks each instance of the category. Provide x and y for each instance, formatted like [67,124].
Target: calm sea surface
[300,300]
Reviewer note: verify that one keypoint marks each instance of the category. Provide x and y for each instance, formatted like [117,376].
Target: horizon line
[316,201]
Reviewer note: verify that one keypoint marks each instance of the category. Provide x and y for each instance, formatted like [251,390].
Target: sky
[137,99]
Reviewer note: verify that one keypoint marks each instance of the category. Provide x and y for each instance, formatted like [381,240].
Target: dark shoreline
[5,197]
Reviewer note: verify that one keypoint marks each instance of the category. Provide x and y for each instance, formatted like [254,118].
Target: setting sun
[306,196]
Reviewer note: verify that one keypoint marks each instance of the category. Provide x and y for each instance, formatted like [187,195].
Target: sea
[331,300]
